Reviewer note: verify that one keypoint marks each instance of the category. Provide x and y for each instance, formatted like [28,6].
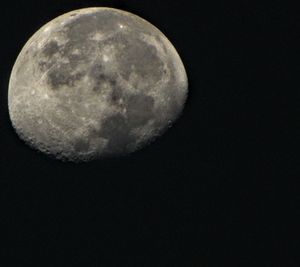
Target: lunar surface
[95,82]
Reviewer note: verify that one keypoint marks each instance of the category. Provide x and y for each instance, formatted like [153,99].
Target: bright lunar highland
[95,82]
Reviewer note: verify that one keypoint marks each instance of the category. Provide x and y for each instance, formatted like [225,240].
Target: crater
[81,145]
[79,28]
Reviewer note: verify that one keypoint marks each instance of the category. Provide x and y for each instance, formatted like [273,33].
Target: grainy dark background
[220,188]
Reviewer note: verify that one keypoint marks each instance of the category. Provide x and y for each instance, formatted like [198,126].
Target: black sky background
[220,188]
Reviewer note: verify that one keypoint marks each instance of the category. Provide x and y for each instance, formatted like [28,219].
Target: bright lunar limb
[95,82]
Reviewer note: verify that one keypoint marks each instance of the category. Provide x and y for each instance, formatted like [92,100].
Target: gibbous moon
[95,82]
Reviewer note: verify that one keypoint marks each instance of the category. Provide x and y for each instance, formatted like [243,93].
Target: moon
[95,82]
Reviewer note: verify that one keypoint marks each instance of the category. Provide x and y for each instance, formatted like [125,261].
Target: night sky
[219,188]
